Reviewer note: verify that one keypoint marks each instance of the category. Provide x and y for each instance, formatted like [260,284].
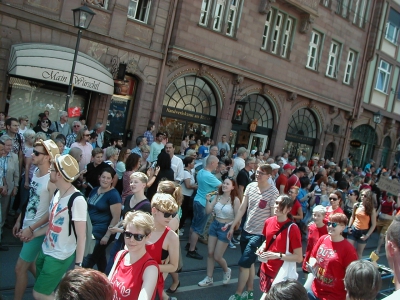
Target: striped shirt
[260,207]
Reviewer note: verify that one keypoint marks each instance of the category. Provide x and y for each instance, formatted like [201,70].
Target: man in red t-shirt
[283,178]
[294,180]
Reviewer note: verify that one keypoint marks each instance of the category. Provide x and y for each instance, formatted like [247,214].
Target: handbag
[288,269]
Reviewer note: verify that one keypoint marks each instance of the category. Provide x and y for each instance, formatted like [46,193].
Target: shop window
[303,123]
[139,10]
[333,60]
[383,77]
[350,67]
[392,26]
[314,50]
[258,109]
[221,15]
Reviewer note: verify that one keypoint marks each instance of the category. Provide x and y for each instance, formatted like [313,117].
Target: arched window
[191,93]
[258,108]
[303,123]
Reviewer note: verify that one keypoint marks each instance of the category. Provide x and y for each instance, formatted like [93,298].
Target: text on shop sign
[187,114]
[80,81]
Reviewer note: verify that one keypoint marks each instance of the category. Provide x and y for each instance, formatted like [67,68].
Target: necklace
[66,191]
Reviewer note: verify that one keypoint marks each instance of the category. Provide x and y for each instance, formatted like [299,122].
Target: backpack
[90,240]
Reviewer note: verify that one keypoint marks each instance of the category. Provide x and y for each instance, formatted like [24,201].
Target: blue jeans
[23,194]
[116,247]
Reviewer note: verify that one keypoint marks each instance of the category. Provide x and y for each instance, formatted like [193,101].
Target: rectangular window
[218,14]
[360,12]
[232,13]
[350,66]
[314,50]
[276,33]
[383,76]
[392,26]
[325,3]
[267,27]
[286,37]
[332,67]
[343,8]
[139,10]
[205,8]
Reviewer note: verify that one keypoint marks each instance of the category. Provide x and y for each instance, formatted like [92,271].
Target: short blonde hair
[170,187]
[164,202]
[140,220]
[145,148]
[319,209]
[191,152]
[139,175]
[40,136]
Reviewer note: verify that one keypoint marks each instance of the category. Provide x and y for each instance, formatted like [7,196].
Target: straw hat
[50,147]
[68,166]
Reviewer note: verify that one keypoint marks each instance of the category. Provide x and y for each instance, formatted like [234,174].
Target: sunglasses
[333,224]
[351,194]
[333,199]
[167,214]
[77,125]
[138,237]
[26,120]
[37,153]
[45,121]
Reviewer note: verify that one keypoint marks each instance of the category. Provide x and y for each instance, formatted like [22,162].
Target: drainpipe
[161,75]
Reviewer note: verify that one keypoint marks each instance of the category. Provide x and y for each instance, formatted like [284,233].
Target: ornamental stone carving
[172,59]
[265,6]
[306,21]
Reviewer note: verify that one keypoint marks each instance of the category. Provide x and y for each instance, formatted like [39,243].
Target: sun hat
[50,147]
[68,166]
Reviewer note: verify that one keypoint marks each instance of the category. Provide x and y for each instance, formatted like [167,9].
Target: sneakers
[227,276]
[232,245]
[235,297]
[244,296]
[206,281]
[235,241]
[187,247]
[250,295]
[194,254]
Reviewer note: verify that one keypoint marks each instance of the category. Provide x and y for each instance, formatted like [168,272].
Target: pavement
[193,271]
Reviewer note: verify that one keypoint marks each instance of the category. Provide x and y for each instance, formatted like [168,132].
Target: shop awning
[54,63]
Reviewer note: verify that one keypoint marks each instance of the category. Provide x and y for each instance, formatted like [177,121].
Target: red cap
[288,166]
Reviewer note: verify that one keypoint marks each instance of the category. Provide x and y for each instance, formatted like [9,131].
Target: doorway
[257,142]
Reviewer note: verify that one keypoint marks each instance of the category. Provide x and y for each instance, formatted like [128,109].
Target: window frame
[206,12]
[352,65]
[318,48]
[360,12]
[386,79]
[333,60]
[232,11]
[267,25]
[138,7]
[389,24]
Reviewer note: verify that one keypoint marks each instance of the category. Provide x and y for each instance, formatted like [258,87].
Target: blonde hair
[145,148]
[139,175]
[319,209]
[164,202]
[170,187]
[40,136]
[140,220]
[191,152]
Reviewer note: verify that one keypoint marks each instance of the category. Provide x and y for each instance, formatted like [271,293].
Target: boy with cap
[36,215]
[59,246]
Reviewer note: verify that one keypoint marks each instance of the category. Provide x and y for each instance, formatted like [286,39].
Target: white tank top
[224,211]
[39,199]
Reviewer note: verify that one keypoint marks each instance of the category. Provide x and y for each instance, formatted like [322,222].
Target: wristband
[78,264]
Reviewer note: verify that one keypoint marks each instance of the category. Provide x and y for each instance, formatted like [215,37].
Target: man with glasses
[392,247]
[36,214]
[76,126]
[258,202]
[62,126]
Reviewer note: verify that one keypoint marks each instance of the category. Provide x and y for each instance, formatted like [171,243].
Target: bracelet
[31,229]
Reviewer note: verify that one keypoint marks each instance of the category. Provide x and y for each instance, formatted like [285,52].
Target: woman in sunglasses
[135,270]
[44,127]
[163,244]
[329,260]
[272,252]
[352,199]
[362,222]
[335,199]
[224,206]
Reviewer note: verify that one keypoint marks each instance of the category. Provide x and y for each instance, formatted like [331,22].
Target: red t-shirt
[295,208]
[271,227]
[127,281]
[331,212]
[332,260]
[314,233]
[387,207]
[281,180]
[292,181]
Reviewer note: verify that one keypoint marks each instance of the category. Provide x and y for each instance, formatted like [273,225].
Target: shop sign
[63,78]
[300,139]
[176,112]
[355,143]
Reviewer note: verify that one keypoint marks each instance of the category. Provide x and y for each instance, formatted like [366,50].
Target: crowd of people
[73,196]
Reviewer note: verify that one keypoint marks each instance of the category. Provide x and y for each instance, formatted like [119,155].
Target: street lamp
[82,18]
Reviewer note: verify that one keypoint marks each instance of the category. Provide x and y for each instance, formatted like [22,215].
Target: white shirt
[177,167]
[239,164]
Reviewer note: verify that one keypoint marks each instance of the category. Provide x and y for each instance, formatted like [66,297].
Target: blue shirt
[207,183]
[99,210]
[203,151]
[137,151]
[149,136]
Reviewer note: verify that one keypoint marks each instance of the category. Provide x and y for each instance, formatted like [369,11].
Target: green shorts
[30,250]
[49,272]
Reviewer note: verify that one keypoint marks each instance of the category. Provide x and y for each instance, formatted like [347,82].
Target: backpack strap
[70,203]
[276,234]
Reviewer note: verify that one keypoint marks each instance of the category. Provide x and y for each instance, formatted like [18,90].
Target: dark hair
[286,202]
[139,139]
[393,232]
[339,195]
[82,117]
[188,160]
[158,134]
[362,280]
[97,151]
[84,284]
[93,134]
[234,192]
[190,136]
[369,202]
[367,179]
[205,140]
[323,179]
[164,161]
[61,137]
[121,156]
[9,120]
[304,182]
[228,161]
[132,161]
[150,124]
[108,170]
[287,290]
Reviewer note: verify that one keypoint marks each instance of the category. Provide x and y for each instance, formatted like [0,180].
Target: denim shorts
[356,234]
[199,217]
[215,230]
[248,246]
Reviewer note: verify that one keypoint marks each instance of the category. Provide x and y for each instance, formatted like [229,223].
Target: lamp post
[377,120]
[82,18]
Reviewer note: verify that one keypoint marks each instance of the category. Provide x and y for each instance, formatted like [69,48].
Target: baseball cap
[274,166]
[288,166]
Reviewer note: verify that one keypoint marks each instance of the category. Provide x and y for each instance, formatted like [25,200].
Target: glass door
[257,142]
